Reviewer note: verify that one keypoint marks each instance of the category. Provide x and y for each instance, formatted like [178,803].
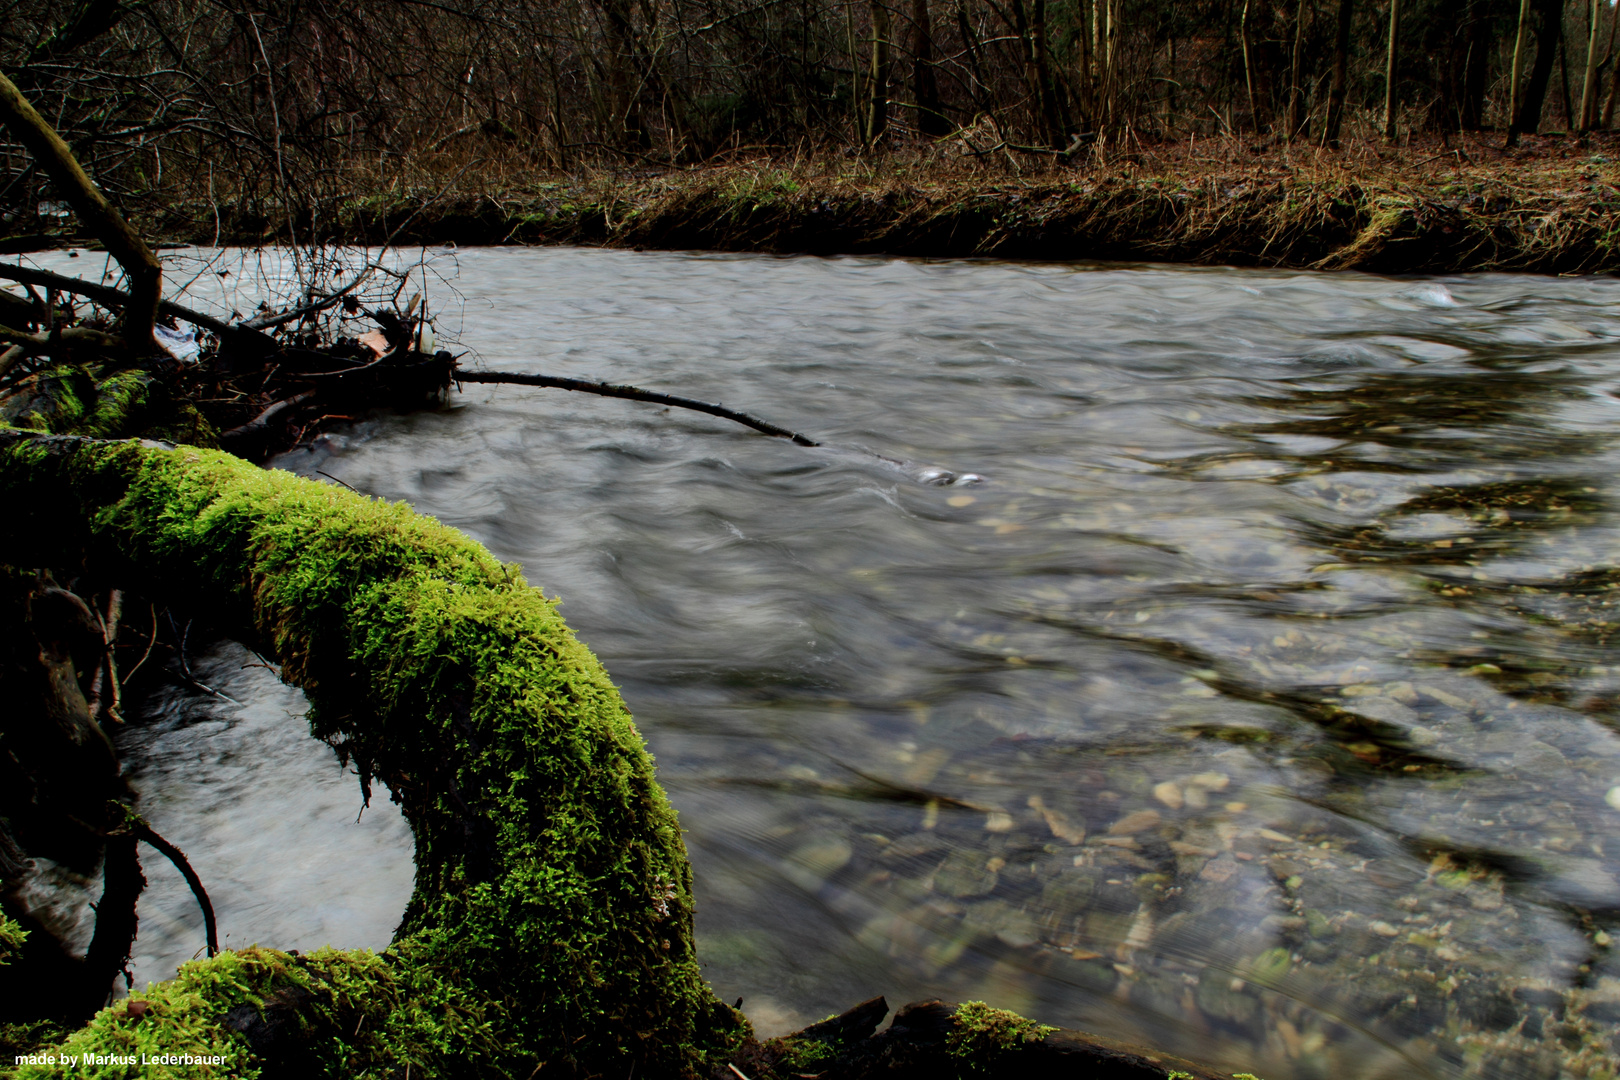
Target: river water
[1257,702]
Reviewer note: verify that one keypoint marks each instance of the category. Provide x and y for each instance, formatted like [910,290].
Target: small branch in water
[634,394]
[138,828]
[150,641]
[180,637]
[108,668]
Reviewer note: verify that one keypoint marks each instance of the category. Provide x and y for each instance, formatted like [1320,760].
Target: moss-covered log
[552,886]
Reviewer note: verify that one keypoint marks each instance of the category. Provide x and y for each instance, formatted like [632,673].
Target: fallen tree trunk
[553,895]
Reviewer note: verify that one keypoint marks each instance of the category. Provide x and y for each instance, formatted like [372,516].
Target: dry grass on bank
[1423,205]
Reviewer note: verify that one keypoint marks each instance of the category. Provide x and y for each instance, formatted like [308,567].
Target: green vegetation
[981,1035]
[12,937]
[106,402]
[359,1015]
[552,910]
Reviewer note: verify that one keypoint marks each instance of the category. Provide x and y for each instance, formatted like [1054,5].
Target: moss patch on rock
[552,884]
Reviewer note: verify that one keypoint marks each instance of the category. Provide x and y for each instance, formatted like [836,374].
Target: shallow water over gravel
[1259,703]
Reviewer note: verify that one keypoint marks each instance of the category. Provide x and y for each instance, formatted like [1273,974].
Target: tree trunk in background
[924,88]
[623,83]
[1030,26]
[1341,74]
[1098,50]
[857,98]
[1516,78]
[877,122]
[1607,116]
[1563,77]
[1105,14]
[1056,112]
[1471,114]
[982,102]
[1594,14]
[1549,24]
[1614,91]
[1389,69]
[1248,67]
[1170,91]
[1086,77]
[1296,93]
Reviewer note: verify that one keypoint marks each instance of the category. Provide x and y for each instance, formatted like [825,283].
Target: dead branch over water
[633,393]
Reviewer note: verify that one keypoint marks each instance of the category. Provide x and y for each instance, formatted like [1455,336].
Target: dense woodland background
[300,101]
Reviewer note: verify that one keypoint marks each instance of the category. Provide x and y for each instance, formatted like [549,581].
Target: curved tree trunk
[551,878]
[94,211]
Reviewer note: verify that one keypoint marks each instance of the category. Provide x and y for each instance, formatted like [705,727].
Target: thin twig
[335,480]
[107,669]
[150,642]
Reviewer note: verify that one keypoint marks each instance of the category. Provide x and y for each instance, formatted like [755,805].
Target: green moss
[68,400]
[981,1035]
[551,879]
[117,398]
[12,936]
[805,1054]
[359,1014]
[25,1038]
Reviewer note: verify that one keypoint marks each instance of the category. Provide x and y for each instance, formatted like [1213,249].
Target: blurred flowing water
[1258,703]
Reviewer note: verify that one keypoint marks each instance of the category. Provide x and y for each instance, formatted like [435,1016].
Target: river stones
[965,874]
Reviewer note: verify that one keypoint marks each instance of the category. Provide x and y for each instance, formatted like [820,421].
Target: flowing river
[1258,701]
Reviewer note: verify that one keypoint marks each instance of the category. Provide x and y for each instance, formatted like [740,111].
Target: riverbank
[1552,206]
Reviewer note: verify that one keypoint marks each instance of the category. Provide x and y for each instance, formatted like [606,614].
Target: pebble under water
[1259,703]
